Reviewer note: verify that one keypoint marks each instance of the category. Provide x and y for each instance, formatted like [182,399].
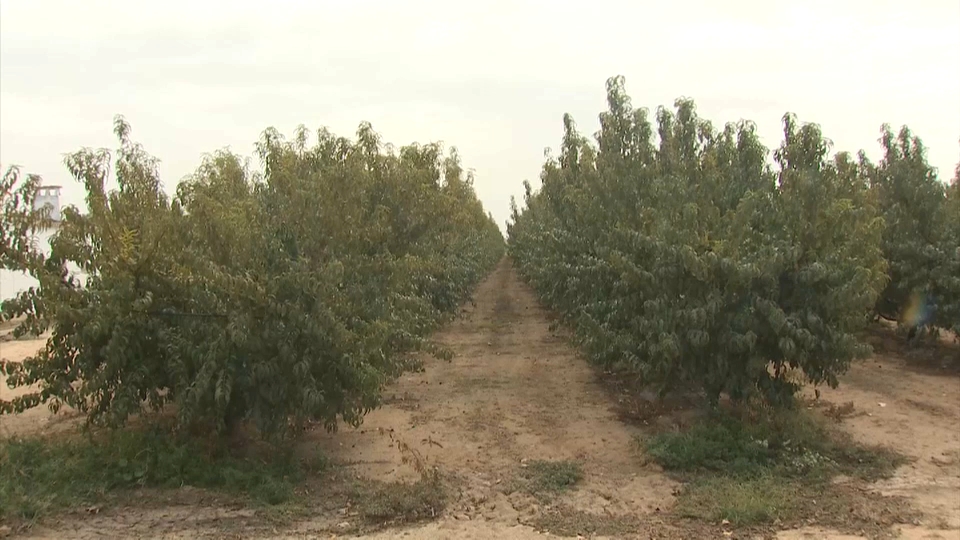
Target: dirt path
[516,393]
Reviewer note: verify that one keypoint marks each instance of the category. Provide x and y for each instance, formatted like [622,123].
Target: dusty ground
[517,392]
[916,411]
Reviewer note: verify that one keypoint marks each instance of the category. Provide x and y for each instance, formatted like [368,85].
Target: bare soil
[909,402]
[517,392]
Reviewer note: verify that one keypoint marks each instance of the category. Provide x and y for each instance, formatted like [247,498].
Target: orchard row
[291,293]
[680,254]
[281,296]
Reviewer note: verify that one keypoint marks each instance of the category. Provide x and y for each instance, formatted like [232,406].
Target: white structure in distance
[13,283]
[49,196]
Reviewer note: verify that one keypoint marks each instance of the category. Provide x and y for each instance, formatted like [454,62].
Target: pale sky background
[490,77]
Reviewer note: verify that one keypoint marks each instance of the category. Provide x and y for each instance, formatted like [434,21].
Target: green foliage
[920,240]
[20,222]
[693,262]
[946,275]
[278,297]
[38,476]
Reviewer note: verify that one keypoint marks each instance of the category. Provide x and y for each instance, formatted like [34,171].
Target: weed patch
[545,479]
[397,502]
[741,501]
[791,443]
[39,476]
[776,467]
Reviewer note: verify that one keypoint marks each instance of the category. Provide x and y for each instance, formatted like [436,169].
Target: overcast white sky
[490,77]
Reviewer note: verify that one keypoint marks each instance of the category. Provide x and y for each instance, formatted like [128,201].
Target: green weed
[545,479]
[38,476]
[776,467]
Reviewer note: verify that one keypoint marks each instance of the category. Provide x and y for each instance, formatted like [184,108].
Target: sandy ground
[916,412]
[517,392]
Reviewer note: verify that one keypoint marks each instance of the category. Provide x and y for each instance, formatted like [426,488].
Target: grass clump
[775,466]
[38,476]
[741,501]
[548,478]
[394,503]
